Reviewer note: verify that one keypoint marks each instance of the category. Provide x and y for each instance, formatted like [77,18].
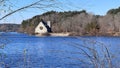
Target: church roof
[46,25]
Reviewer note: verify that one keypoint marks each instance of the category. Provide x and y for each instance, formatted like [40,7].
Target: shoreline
[53,34]
[117,34]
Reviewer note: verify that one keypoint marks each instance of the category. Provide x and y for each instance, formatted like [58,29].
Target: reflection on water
[22,50]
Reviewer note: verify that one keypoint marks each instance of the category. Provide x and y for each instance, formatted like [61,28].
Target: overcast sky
[98,7]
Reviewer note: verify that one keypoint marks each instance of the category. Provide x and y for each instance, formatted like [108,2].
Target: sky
[98,7]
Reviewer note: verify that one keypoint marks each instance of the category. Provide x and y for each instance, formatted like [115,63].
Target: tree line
[77,22]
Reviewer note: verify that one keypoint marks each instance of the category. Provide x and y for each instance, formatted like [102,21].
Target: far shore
[53,34]
[77,34]
[62,34]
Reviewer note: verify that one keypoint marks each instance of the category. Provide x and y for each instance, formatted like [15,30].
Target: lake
[18,50]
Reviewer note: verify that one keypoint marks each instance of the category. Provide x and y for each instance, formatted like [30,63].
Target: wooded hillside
[9,27]
[77,22]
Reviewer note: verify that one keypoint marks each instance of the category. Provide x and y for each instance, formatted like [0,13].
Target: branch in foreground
[25,7]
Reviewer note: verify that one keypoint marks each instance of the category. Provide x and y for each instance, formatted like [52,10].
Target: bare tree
[38,4]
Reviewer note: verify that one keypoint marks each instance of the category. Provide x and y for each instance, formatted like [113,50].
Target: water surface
[22,50]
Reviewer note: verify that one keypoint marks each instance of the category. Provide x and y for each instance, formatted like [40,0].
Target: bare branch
[37,4]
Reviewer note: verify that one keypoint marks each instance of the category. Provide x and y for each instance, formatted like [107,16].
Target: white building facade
[43,27]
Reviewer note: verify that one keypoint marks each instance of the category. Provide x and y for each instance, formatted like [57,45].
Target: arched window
[41,28]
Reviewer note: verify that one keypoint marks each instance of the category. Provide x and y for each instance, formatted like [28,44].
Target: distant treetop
[49,12]
[68,13]
[114,11]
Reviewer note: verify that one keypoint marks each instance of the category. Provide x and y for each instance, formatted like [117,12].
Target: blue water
[24,51]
